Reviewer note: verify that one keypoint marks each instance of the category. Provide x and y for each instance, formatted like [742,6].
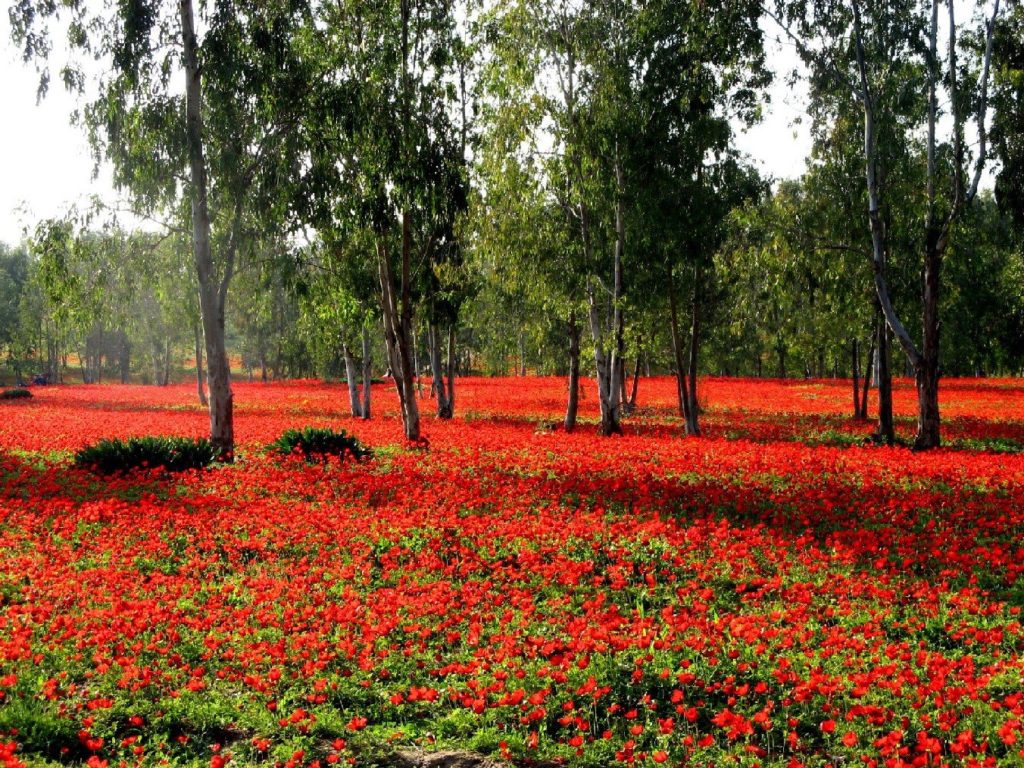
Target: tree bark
[211,295]
[631,403]
[855,376]
[367,373]
[693,412]
[200,377]
[682,388]
[398,329]
[444,406]
[886,432]
[572,407]
[868,372]
[452,354]
[351,380]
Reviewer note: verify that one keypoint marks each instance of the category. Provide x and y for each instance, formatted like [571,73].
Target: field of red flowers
[777,593]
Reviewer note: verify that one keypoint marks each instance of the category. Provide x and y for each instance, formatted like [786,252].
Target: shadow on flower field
[772,594]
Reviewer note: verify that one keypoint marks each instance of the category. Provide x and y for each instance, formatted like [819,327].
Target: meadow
[779,592]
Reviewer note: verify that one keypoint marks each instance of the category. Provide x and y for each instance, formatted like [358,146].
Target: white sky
[46,164]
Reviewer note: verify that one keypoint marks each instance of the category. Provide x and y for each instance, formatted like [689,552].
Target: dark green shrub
[174,454]
[14,394]
[317,443]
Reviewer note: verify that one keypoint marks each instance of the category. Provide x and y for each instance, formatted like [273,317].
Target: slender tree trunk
[398,330]
[869,363]
[572,407]
[927,372]
[886,430]
[168,358]
[631,403]
[682,388]
[351,379]
[444,407]
[855,376]
[617,372]
[211,295]
[416,363]
[200,376]
[607,399]
[367,373]
[452,354]
[621,384]
[693,412]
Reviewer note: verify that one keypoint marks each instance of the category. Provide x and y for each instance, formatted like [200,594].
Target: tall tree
[207,138]
[1007,130]
[384,150]
[863,52]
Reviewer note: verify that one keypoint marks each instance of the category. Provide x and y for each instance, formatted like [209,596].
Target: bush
[15,394]
[174,454]
[317,443]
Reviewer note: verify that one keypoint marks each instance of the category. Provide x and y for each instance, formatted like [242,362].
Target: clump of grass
[173,454]
[319,443]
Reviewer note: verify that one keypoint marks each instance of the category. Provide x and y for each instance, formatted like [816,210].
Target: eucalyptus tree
[833,195]
[87,279]
[383,150]
[183,115]
[882,57]
[619,99]
[550,106]
[524,249]
[1008,126]
[14,278]
[526,225]
[693,71]
[338,285]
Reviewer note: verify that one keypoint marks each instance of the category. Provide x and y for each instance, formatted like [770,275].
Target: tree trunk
[572,407]
[452,354]
[693,412]
[200,379]
[444,407]
[631,403]
[168,357]
[606,391]
[124,358]
[855,376]
[367,373]
[926,371]
[398,330]
[211,296]
[353,386]
[868,372]
[682,388]
[886,430]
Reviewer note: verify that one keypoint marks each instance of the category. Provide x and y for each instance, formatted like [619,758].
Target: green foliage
[15,394]
[317,443]
[174,454]
[1008,100]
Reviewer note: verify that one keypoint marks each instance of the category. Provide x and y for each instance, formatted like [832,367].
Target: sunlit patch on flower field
[776,593]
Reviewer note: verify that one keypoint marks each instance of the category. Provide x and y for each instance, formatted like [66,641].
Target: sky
[46,164]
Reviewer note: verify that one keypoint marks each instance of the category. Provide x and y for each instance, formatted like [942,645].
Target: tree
[383,152]
[1008,98]
[208,141]
[865,53]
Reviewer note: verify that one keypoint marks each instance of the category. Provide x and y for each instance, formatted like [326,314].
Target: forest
[449,388]
[353,190]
